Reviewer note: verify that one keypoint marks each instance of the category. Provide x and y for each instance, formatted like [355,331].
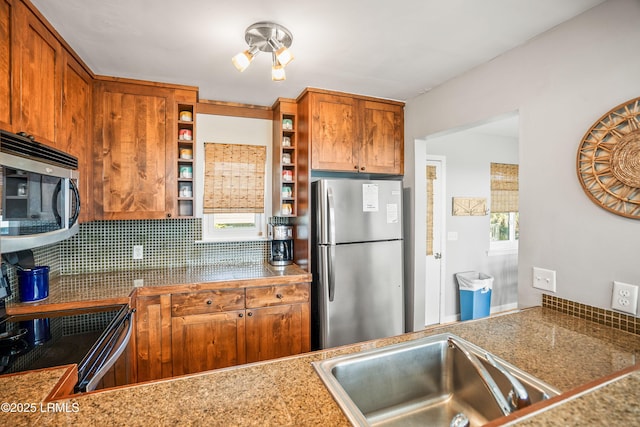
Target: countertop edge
[223,284]
[128,290]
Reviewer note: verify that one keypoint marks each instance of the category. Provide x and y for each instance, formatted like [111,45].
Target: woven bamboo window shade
[504,187]
[431,175]
[234,178]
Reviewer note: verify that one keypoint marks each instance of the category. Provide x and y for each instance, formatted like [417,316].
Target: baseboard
[494,310]
[505,307]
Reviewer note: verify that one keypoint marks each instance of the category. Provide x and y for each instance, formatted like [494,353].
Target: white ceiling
[382,48]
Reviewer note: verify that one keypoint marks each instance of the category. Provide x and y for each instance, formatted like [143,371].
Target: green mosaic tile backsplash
[103,246]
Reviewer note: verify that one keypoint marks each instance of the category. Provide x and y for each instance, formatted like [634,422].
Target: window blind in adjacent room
[504,187]
[431,176]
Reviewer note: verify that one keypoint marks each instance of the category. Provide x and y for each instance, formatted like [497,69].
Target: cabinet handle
[209,302]
[355,167]
[362,168]
[279,296]
[249,314]
[168,215]
[240,315]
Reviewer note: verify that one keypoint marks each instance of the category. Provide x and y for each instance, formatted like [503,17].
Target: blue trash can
[475,294]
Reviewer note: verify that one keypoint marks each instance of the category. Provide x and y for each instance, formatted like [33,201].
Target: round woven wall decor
[609,160]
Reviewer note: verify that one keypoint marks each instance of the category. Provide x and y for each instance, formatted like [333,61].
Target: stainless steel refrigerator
[358,290]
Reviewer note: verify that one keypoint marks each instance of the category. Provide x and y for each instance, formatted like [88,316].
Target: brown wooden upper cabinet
[349,133]
[37,66]
[44,90]
[74,131]
[6,27]
[134,159]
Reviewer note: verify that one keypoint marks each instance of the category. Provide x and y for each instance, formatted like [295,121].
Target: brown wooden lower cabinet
[277,331]
[207,341]
[153,337]
[191,332]
[278,321]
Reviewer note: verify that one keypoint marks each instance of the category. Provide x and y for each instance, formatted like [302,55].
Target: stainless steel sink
[424,382]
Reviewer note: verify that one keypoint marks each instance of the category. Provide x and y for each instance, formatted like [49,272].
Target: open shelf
[285,159]
[186,136]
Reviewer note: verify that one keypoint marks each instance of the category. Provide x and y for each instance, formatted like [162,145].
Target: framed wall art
[469,206]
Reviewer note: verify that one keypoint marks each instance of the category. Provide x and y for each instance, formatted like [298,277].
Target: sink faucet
[518,396]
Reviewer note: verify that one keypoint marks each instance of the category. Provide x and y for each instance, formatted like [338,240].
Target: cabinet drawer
[278,294]
[207,302]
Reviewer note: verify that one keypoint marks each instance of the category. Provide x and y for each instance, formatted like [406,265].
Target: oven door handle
[113,357]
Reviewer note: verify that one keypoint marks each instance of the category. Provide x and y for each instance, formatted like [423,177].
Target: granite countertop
[564,351]
[102,289]
[24,392]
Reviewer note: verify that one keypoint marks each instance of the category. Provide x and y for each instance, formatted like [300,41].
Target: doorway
[464,240]
[434,265]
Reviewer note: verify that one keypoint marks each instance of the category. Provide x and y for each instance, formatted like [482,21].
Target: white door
[434,263]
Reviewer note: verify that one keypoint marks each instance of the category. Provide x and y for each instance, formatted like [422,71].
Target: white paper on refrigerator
[370,198]
[392,213]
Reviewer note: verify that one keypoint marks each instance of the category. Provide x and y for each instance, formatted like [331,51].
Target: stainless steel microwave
[39,193]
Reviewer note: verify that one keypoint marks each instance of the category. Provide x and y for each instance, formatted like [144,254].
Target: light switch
[544,279]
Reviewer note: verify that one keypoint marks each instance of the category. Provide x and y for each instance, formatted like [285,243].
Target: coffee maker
[281,237]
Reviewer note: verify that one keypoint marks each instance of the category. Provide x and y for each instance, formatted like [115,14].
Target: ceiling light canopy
[266,37]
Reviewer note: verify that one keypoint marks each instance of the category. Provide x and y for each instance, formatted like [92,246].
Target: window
[504,229]
[504,226]
[230,227]
[234,189]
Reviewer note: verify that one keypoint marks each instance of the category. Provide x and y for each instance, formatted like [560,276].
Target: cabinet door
[382,149]
[333,133]
[74,131]
[208,341]
[6,13]
[37,77]
[277,331]
[153,337]
[134,162]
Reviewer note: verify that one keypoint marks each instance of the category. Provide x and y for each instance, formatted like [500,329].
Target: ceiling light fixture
[266,37]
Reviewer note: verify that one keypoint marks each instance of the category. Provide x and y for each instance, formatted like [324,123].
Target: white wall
[468,158]
[561,83]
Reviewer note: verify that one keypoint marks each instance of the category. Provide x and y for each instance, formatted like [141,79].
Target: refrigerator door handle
[330,262]
[332,216]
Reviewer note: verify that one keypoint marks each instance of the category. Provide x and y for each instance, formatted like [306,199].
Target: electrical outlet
[544,279]
[137,251]
[625,297]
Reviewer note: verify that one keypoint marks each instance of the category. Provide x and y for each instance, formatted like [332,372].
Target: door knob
[437,255]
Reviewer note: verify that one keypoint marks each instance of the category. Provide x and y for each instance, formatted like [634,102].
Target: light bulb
[243,59]
[277,73]
[277,70]
[284,56]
